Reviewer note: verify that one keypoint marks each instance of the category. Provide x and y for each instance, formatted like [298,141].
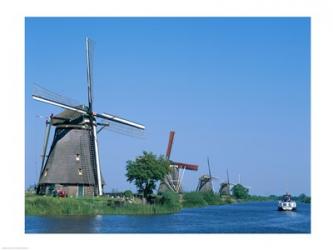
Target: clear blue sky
[234,89]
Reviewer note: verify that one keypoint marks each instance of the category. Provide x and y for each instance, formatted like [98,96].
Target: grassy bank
[199,199]
[42,205]
[163,204]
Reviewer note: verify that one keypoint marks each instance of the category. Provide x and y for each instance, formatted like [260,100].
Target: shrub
[194,199]
[170,199]
[240,192]
[128,194]
[229,200]
[211,198]
[303,198]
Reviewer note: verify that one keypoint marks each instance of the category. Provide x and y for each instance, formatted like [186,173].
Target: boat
[286,203]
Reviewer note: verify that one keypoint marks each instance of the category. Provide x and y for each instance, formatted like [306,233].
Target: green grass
[201,199]
[170,200]
[43,205]
[165,203]
[194,199]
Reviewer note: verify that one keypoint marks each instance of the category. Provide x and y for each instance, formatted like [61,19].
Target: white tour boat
[287,204]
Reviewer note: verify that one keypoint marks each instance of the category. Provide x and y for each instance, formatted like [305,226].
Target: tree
[304,198]
[128,194]
[240,192]
[146,170]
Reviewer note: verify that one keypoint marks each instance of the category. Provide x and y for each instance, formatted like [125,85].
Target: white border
[12,15]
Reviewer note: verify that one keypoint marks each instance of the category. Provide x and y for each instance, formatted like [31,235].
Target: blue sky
[234,89]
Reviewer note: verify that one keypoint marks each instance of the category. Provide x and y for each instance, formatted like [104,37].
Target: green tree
[304,198]
[128,194]
[240,192]
[146,170]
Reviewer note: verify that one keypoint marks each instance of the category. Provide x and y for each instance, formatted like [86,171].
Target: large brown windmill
[72,164]
[172,182]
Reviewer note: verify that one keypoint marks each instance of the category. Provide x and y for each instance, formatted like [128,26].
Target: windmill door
[80,190]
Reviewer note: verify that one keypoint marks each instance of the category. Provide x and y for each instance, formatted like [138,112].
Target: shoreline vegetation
[165,203]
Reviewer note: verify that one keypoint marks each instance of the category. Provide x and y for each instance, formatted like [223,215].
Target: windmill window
[45,173]
[77,157]
[80,171]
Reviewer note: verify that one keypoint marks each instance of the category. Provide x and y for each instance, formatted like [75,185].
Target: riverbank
[244,217]
[52,206]
[164,204]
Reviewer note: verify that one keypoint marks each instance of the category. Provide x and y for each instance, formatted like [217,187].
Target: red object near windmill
[172,182]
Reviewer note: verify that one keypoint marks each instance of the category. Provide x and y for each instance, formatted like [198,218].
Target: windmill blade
[58,104]
[89,73]
[119,128]
[117,119]
[170,143]
[46,142]
[210,174]
[44,95]
[187,166]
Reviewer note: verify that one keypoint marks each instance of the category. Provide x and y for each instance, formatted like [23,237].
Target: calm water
[253,217]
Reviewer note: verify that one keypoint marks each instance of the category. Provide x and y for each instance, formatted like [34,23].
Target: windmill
[72,164]
[239,182]
[172,181]
[225,187]
[206,181]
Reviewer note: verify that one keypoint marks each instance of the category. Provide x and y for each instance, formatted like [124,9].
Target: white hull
[287,205]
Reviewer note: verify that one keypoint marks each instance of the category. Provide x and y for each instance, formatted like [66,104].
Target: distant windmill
[239,182]
[206,181]
[172,182]
[73,164]
[225,187]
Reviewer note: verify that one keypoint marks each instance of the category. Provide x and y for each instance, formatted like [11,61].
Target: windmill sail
[122,129]
[44,95]
[89,73]
[93,131]
[46,141]
[170,143]
[210,173]
[118,119]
